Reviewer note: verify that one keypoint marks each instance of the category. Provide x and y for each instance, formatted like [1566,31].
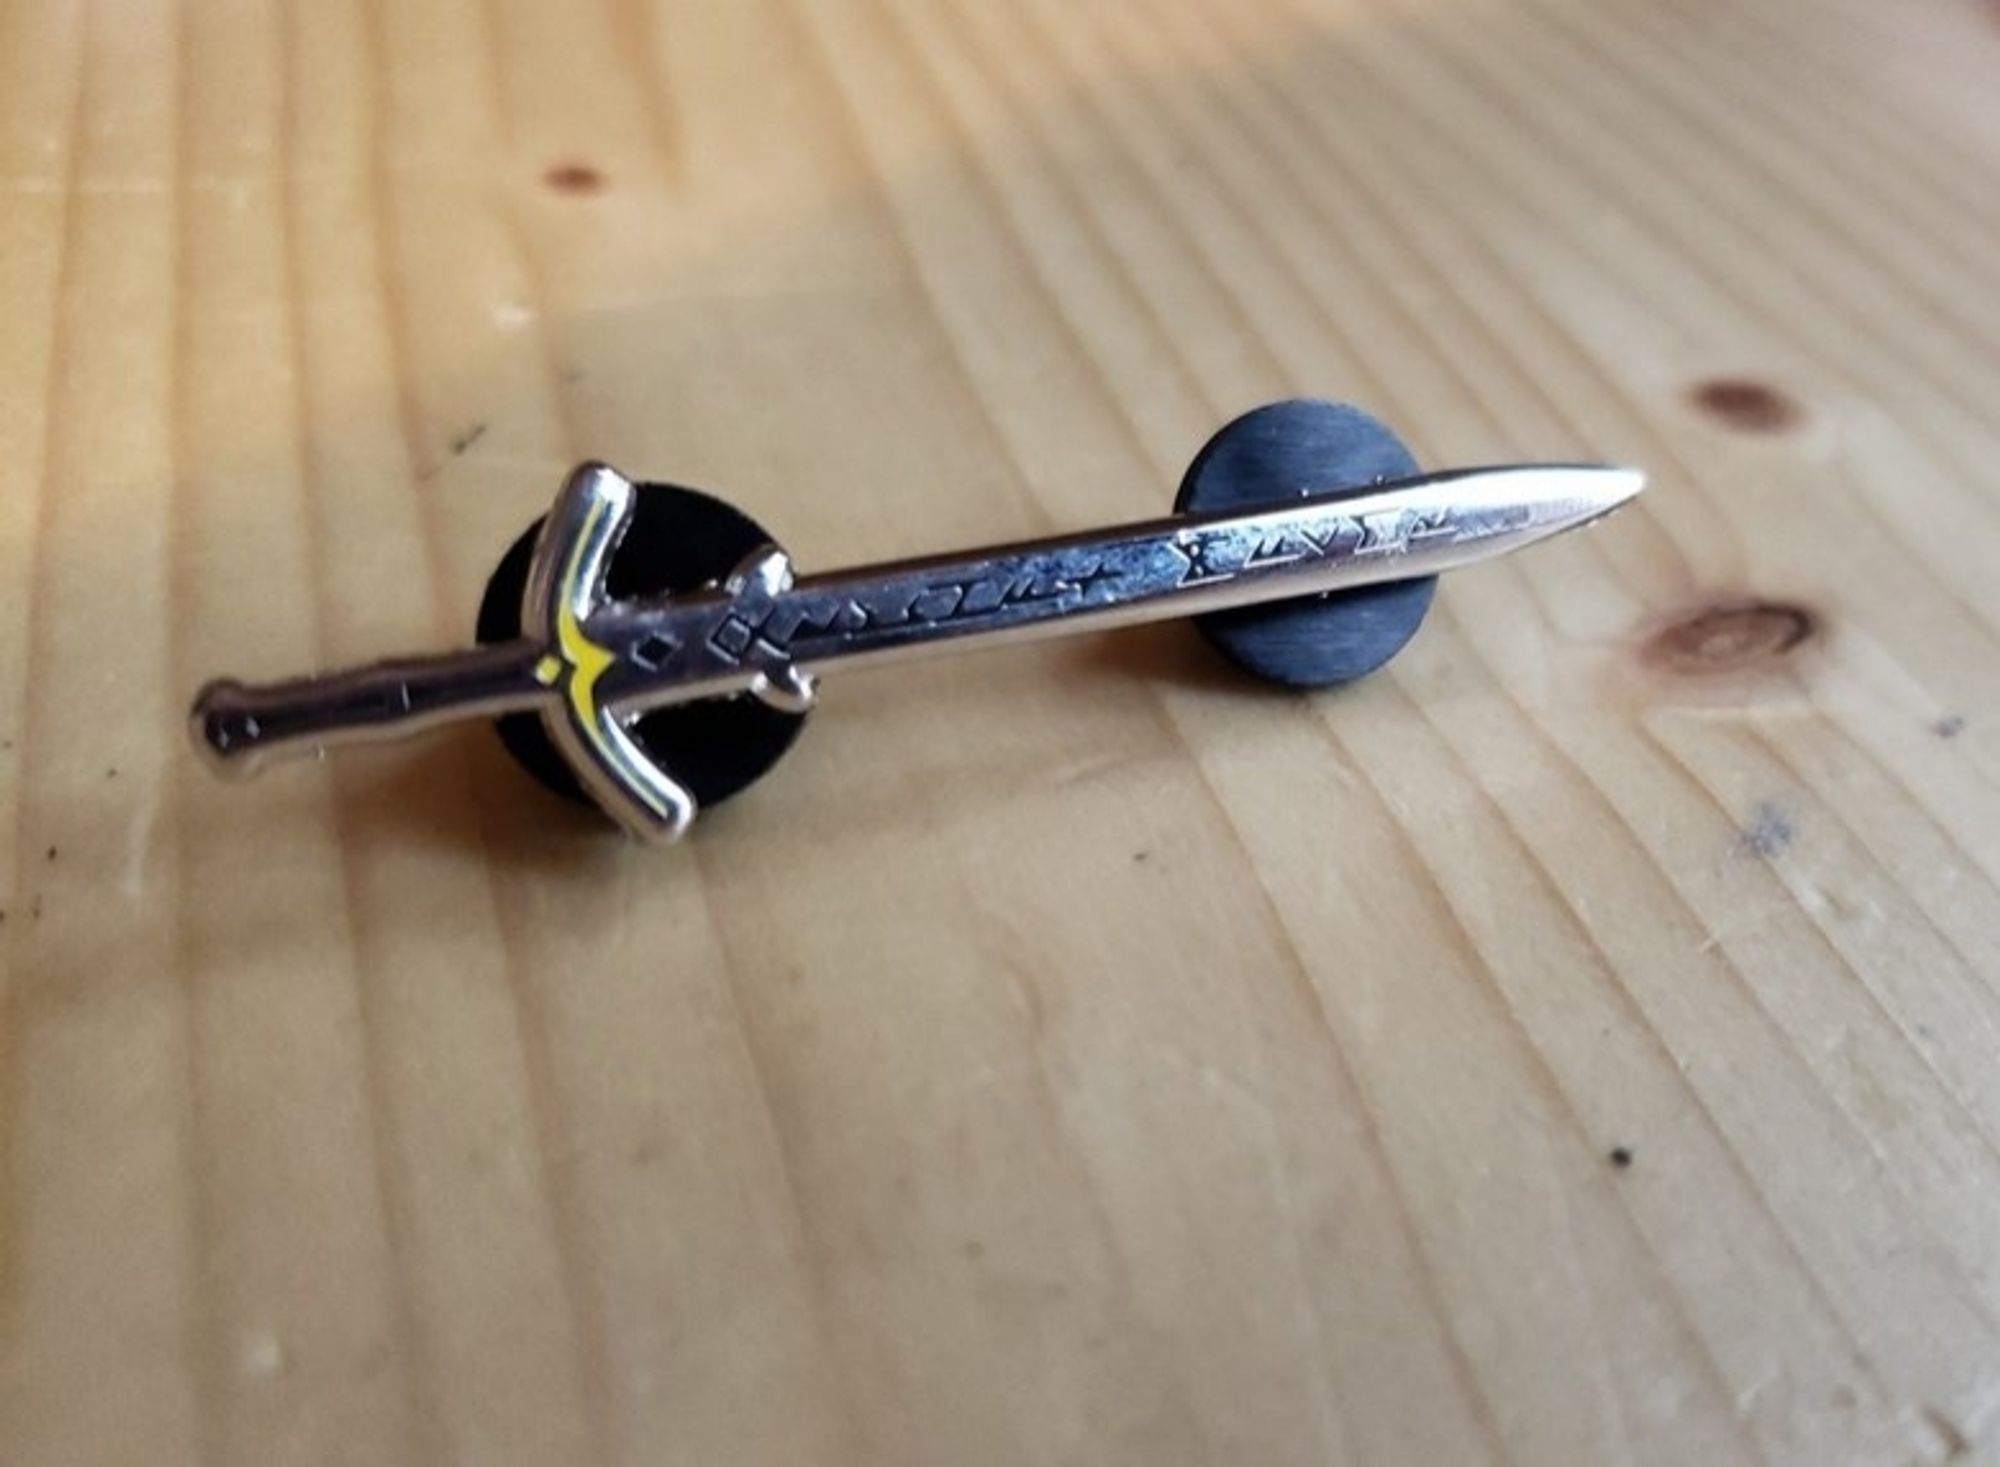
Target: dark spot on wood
[1770,830]
[52,853]
[1950,726]
[974,1249]
[1955,1442]
[35,909]
[1746,406]
[1140,858]
[647,1150]
[573,178]
[1621,1157]
[466,439]
[111,772]
[1730,637]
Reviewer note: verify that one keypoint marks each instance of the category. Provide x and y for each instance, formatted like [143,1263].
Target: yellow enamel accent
[574,667]
[587,660]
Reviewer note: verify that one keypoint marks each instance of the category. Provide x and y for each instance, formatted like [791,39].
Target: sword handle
[237,726]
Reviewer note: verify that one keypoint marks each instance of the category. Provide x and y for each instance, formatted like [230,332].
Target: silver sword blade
[761,630]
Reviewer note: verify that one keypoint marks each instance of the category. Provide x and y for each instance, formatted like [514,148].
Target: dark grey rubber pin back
[1291,450]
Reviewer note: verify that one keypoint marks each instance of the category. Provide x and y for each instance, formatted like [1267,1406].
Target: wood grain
[1575,1045]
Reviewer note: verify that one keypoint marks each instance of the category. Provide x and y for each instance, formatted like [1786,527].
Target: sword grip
[237,726]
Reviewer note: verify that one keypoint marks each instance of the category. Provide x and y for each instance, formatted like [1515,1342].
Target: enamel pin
[652,649]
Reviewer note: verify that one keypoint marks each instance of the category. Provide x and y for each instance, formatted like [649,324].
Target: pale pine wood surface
[1071,1054]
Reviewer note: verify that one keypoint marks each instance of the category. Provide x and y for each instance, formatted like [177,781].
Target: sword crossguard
[566,586]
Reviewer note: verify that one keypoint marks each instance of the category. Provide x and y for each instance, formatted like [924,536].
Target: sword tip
[1506,508]
[1568,496]
[1619,485]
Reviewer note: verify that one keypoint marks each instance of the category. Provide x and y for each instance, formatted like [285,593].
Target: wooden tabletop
[1578,1044]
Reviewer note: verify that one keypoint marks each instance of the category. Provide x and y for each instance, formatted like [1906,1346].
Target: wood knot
[1746,406]
[1730,637]
[573,178]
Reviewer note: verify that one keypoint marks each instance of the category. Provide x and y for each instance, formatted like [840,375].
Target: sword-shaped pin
[1291,549]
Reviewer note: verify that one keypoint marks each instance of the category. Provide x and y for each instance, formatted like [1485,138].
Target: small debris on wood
[1955,1442]
[1621,1157]
[1769,832]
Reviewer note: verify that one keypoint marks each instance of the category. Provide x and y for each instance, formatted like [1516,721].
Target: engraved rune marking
[732,637]
[937,605]
[1095,577]
[1201,552]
